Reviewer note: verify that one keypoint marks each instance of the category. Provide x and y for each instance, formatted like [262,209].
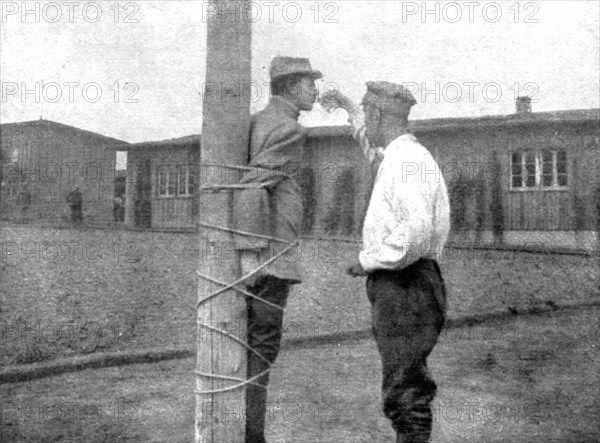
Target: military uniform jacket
[275,209]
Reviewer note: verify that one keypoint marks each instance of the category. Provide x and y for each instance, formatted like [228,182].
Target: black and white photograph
[311,221]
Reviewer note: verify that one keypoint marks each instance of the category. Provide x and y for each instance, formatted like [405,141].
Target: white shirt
[409,213]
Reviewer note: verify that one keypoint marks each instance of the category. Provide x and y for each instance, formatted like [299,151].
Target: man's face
[305,93]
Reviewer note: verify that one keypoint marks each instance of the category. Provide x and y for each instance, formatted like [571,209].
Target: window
[542,169]
[167,181]
[14,156]
[174,181]
[121,161]
[185,180]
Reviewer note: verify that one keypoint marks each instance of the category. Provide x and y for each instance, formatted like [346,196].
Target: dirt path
[529,380]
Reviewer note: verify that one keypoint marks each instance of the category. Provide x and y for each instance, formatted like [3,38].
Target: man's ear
[377,112]
[293,88]
[374,113]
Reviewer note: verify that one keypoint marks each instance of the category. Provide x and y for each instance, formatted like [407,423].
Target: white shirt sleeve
[441,221]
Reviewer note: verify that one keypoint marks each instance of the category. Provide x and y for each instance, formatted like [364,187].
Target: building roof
[578,116]
[188,140]
[49,124]
[447,124]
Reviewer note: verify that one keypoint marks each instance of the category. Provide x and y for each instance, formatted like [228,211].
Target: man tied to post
[405,229]
[274,210]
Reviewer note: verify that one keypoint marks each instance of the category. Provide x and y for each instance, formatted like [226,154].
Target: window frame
[176,177]
[167,185]
[538,173]
[184,172]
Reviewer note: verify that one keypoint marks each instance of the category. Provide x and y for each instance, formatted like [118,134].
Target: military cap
[389,97]
[281,66]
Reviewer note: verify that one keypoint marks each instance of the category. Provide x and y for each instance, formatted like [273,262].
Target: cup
[328,102]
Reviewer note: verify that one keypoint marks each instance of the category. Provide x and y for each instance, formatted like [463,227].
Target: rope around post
[236,284]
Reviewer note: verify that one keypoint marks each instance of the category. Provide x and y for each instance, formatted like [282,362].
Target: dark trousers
[76,214]
[264,335]
[408,310]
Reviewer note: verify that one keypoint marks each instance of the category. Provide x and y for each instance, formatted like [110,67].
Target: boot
[256,400]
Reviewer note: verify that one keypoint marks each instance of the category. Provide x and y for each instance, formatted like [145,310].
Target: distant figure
[75,201]
[118,205]
[122,210]
[25,200]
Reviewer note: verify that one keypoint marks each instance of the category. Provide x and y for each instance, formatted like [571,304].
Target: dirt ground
[532,379]
[67,292]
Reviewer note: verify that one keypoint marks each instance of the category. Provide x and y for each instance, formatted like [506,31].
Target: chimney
[523,105]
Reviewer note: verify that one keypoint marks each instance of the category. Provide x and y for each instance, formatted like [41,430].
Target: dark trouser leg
[408,315]
[77,214]
[264,335]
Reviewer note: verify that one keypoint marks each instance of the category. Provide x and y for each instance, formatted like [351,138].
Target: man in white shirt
[404,232]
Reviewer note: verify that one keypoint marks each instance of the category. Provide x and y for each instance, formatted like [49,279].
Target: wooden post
[220,416]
